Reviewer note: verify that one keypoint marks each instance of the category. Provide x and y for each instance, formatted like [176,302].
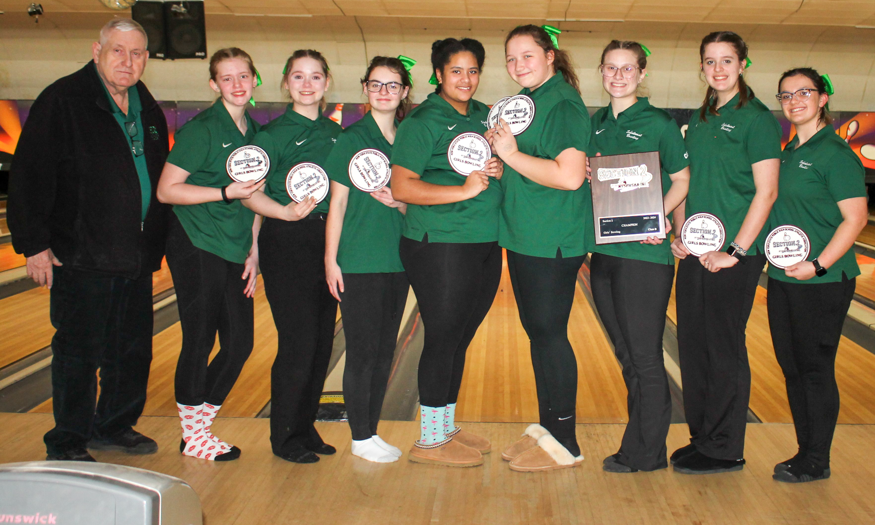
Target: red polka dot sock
[197,443]
[209,414]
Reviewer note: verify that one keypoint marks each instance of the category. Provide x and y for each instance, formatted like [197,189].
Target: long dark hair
[745,93]
[309,53]
[561,59]
[396,66]
[815,78]
[443,50]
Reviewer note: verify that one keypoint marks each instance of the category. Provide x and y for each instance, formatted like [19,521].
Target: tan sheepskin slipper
[529,441]
[480,444]
[548,455]
[448,453]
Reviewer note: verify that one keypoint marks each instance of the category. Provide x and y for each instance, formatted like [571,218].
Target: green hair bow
[433,80]
[408,64]
[552,32]
[646,51]
[747,62]
[830,90]
[257,83]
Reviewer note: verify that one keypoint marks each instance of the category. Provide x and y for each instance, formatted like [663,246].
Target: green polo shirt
[292,139]
[537,220]
[134,109]
[722,152]
[371,230]
[202,147]
[421,146]
[814,178]
[639,129]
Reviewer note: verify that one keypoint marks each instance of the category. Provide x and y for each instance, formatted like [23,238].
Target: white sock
[209,414]
[395,451]
[197,443]
[369,449]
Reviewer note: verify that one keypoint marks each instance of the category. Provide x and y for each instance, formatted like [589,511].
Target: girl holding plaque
[212,243]
[822,192]
[293,248]
[362,264]
[542,228]
[631,281]
[734,143]
[441,167]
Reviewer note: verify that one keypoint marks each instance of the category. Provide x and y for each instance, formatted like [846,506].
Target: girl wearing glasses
[631,282]
[821,191]
[362,264]
[293,248]
[734,144]
[449,244]
[212,252]
[542,228]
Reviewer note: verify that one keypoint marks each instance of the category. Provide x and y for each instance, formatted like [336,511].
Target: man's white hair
[121,24]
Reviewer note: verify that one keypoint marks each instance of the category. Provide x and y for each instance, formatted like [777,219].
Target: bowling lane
[499,385]
[866,279]
[8,258]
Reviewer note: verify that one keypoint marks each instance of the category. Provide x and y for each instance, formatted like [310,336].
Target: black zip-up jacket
[74,186]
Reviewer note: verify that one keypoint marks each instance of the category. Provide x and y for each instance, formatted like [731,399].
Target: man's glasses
[374,86]
[785,97]
[136,145]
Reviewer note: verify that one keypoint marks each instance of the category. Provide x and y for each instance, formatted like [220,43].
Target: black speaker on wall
[180,30]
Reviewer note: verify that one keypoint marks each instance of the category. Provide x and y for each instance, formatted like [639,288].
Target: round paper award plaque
[468,152]
[492,119]
[307,180]
[247,164]
[369,170]
[787,245]
[519,112]
[703,233]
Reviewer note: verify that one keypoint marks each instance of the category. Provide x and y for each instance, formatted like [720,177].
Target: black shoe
[234,453]
[76,454]
[128,440]
[681,453]
[698,463]
[323,448]
[617,466]
[802,471]
[299,455]
[784,465]
[611,459]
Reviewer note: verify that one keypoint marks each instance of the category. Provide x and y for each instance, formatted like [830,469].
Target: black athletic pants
[712,310]
[372,305]
[293,266]
[544,290]
[210,297]
[806,325]
[455,284]
[631,297]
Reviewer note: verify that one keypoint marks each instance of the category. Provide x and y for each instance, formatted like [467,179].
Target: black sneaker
[299,455]
[698,463]
[802,472]
[129,441]
[76,454]
[682,452]
[784,465]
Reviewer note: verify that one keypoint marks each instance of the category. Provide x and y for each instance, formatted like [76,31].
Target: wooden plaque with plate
[627,197]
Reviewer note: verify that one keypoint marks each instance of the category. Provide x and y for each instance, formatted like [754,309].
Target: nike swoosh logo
[451,129]
[599,131]
[564,418]
[299,143]
[226,145]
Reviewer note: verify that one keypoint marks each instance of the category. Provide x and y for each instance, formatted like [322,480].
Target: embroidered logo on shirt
[804,165]
[451,128]
[726,127]
[599,131]
[299,143]
[333,139]
[485,124]
[686,155]
[633,134]
[226,145]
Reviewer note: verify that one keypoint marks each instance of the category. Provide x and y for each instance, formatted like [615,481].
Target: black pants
[101,322]
[713,309]
[631,297]
[211,299]
[806,325]
[455,285]
[292,263]
[372,305]
[544,291]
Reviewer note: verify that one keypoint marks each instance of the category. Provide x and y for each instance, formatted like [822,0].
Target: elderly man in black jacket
[82,209]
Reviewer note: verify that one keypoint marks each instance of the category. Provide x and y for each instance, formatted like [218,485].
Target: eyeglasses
[136,145]
[785,97]
[374,86]
[608,70]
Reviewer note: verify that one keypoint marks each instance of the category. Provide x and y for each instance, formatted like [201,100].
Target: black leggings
[210,297]
[372,305]
[544,291]
[292,263]
[631,297]
[455,284]
[806,325]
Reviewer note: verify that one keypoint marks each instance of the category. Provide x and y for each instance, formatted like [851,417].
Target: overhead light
[585,20]
[865,27]
[118,5]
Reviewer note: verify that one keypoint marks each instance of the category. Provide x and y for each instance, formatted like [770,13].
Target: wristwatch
[737,251]
[819,270]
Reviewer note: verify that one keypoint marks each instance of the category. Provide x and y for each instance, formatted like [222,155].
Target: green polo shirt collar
[818,137]
[375,133]
[301,120]
[134,109]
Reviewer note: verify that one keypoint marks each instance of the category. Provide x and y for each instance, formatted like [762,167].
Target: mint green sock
[450,418]
[432,423]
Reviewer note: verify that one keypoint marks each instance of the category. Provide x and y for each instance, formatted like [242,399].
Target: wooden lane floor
[25,323]
[8,258]
[499,385]
[342,489]
[855,367]
[866,279]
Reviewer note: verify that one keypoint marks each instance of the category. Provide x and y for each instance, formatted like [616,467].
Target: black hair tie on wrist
[225,196]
